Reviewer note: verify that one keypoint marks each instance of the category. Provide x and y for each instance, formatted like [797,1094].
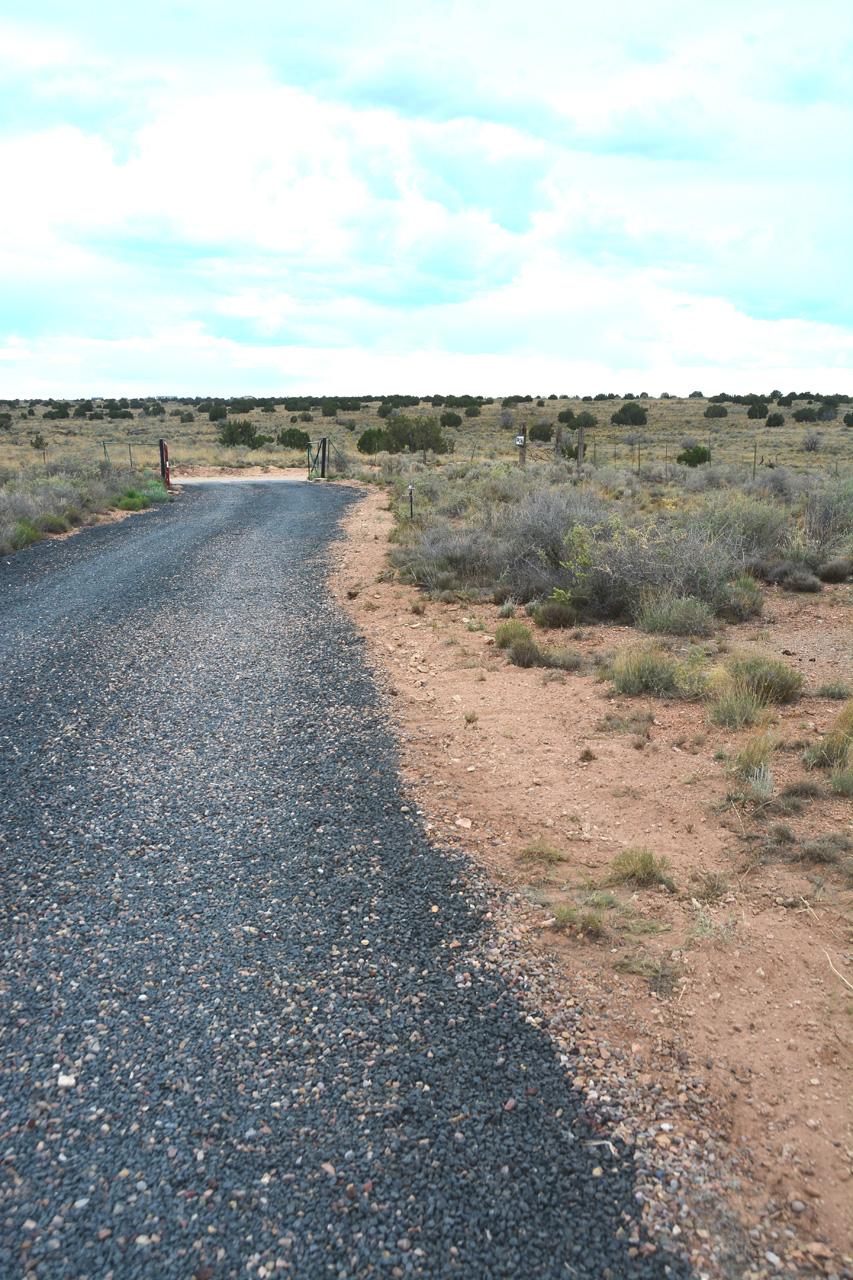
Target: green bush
[240,431]
[640,866]
[735,705]
[848,419]
[834,749]
[645,669]
[53,524]
[293,438]
[758,409]
[507,633]
[770,679]
[217,413]
[450,419]
[694,456]
[631,414]
[716,411]
[541,432]
[775,420]
[741,599]
[372,441]
[805,415]
[676,616]
[566,416]
[525,653]
[23,534]
[472,411]
[131,500]
[555,614]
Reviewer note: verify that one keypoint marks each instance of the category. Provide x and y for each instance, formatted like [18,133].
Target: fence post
[106,455]
[754,455]
[164,464]
[323,445]
[130,455]
[580,447]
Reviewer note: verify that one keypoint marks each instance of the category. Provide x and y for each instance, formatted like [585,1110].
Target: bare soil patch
[185,471]
[733,1033]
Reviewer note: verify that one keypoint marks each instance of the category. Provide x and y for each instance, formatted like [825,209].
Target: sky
[475,197]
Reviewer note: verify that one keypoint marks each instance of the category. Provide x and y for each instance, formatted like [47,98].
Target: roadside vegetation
[37,501]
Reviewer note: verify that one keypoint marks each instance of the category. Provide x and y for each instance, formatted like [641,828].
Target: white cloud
[600,194]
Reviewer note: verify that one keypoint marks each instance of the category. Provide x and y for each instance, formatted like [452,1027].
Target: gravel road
[237,1040]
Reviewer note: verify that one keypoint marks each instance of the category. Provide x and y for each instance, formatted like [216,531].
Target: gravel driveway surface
[236,1040]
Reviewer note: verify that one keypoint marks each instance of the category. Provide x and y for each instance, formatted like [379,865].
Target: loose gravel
[245,1028]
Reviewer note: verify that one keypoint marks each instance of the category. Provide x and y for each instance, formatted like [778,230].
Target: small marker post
[411,502]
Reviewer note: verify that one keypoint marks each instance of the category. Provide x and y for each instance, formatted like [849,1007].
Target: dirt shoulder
[724,1057]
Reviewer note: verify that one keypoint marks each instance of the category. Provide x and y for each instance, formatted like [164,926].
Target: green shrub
[566,416]
[510,632]
[758,409]
[472,411]
[23,534]
[564,659]
[756,751]
[640,866]
[542,432]
[631,414]
[240,431]
[450,419]
[555,614]
[154,491]
[771,679]
[293,438]
[645,669]
[833,750]
[735,705]
[217,413]
[695,456]
[679,616]
[740,599]
[775,420]
[525,653]
[372,441]
[805,415]
[802,581]
[131,500]
[188,416]
[716,411]
[841,781]
[834,571]
[53,524]
[837,691]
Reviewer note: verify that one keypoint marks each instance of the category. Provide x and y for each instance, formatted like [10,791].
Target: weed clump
[755,753]
[541,850]
[769,678]
[645,668]
[510,633]
[555,614]
[676,616]
[640,866]
[834,750]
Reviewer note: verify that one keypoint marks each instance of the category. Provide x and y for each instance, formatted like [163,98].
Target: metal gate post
[323,445]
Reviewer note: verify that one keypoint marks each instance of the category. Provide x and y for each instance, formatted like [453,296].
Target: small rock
[404,1245]
[797,1206]
[510,1104]
[66,1082]
[773,1258]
